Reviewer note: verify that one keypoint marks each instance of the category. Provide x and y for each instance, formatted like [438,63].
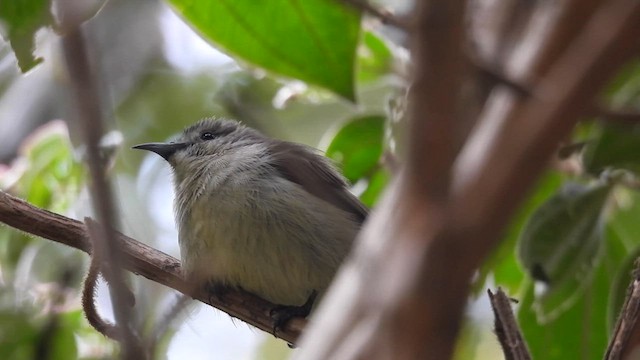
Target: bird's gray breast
[254,229]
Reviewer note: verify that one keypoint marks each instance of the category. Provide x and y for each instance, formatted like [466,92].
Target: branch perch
[143,260]
[506,327]
[626,335]
[84,88]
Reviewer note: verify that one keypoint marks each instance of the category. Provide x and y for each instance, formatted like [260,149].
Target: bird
[271,217]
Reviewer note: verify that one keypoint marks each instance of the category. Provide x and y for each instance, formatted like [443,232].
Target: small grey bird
[272,217]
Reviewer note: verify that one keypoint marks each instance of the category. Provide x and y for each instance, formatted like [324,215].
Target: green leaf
[374,58]
[502,263]
[358,146]
[63,342]
[21,20]
[624,90]
[47,175]
[618,146]
[376,183]
[579,332]
[560,244]
[311,40]
[615,147]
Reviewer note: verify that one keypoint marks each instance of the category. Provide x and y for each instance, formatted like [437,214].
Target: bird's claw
[281,314]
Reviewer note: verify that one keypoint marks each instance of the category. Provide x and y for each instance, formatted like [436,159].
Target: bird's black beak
[163,149]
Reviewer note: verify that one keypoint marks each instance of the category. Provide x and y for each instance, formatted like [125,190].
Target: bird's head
[206,138]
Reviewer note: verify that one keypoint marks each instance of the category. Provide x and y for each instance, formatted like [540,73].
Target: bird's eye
[207,136]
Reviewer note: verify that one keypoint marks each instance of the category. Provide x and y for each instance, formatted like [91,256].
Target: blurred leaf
[560,244]
[358,146]
[53,177]
[617,147]
[21,20]
[312,40]
[468,340]
[376,184]
[63,345]
[374,58]
[503,263]
[46,174]
[624,90]
[18,335]
[23,329]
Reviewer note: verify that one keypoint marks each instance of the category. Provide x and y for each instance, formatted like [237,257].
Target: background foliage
[312,72]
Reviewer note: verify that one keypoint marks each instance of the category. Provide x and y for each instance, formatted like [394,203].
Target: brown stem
[143,260]
[626,336]
[506,327]
[90,118]
[89,285]
[617,116]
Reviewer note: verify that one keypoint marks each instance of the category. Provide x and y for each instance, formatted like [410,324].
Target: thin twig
[143,260]
[90,119]
[617,116]
[627,327]
[497,75]
[383,15]
[513,344]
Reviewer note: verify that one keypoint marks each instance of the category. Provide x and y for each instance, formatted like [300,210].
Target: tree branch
[90,118]
[414,267]
[143,260]
[626,336]
[617,116]
[506,328]
[383,15]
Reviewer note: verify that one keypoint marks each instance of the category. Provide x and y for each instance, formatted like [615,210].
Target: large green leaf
[503,264]
[358,146]
[579,333]
[582,331]
[560,244]
[311,40]
[21,20]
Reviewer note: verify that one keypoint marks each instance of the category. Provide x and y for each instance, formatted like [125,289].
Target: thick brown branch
[142,260]
[414,267]
[626,336]
[506,327]
[438,41]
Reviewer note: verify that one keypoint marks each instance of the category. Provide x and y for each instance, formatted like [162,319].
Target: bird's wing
[315,173]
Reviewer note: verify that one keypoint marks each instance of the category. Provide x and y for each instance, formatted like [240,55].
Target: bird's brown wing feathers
[315,174]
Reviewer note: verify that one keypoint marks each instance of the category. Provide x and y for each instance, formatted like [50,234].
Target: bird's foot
[281,314]
[217,292]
